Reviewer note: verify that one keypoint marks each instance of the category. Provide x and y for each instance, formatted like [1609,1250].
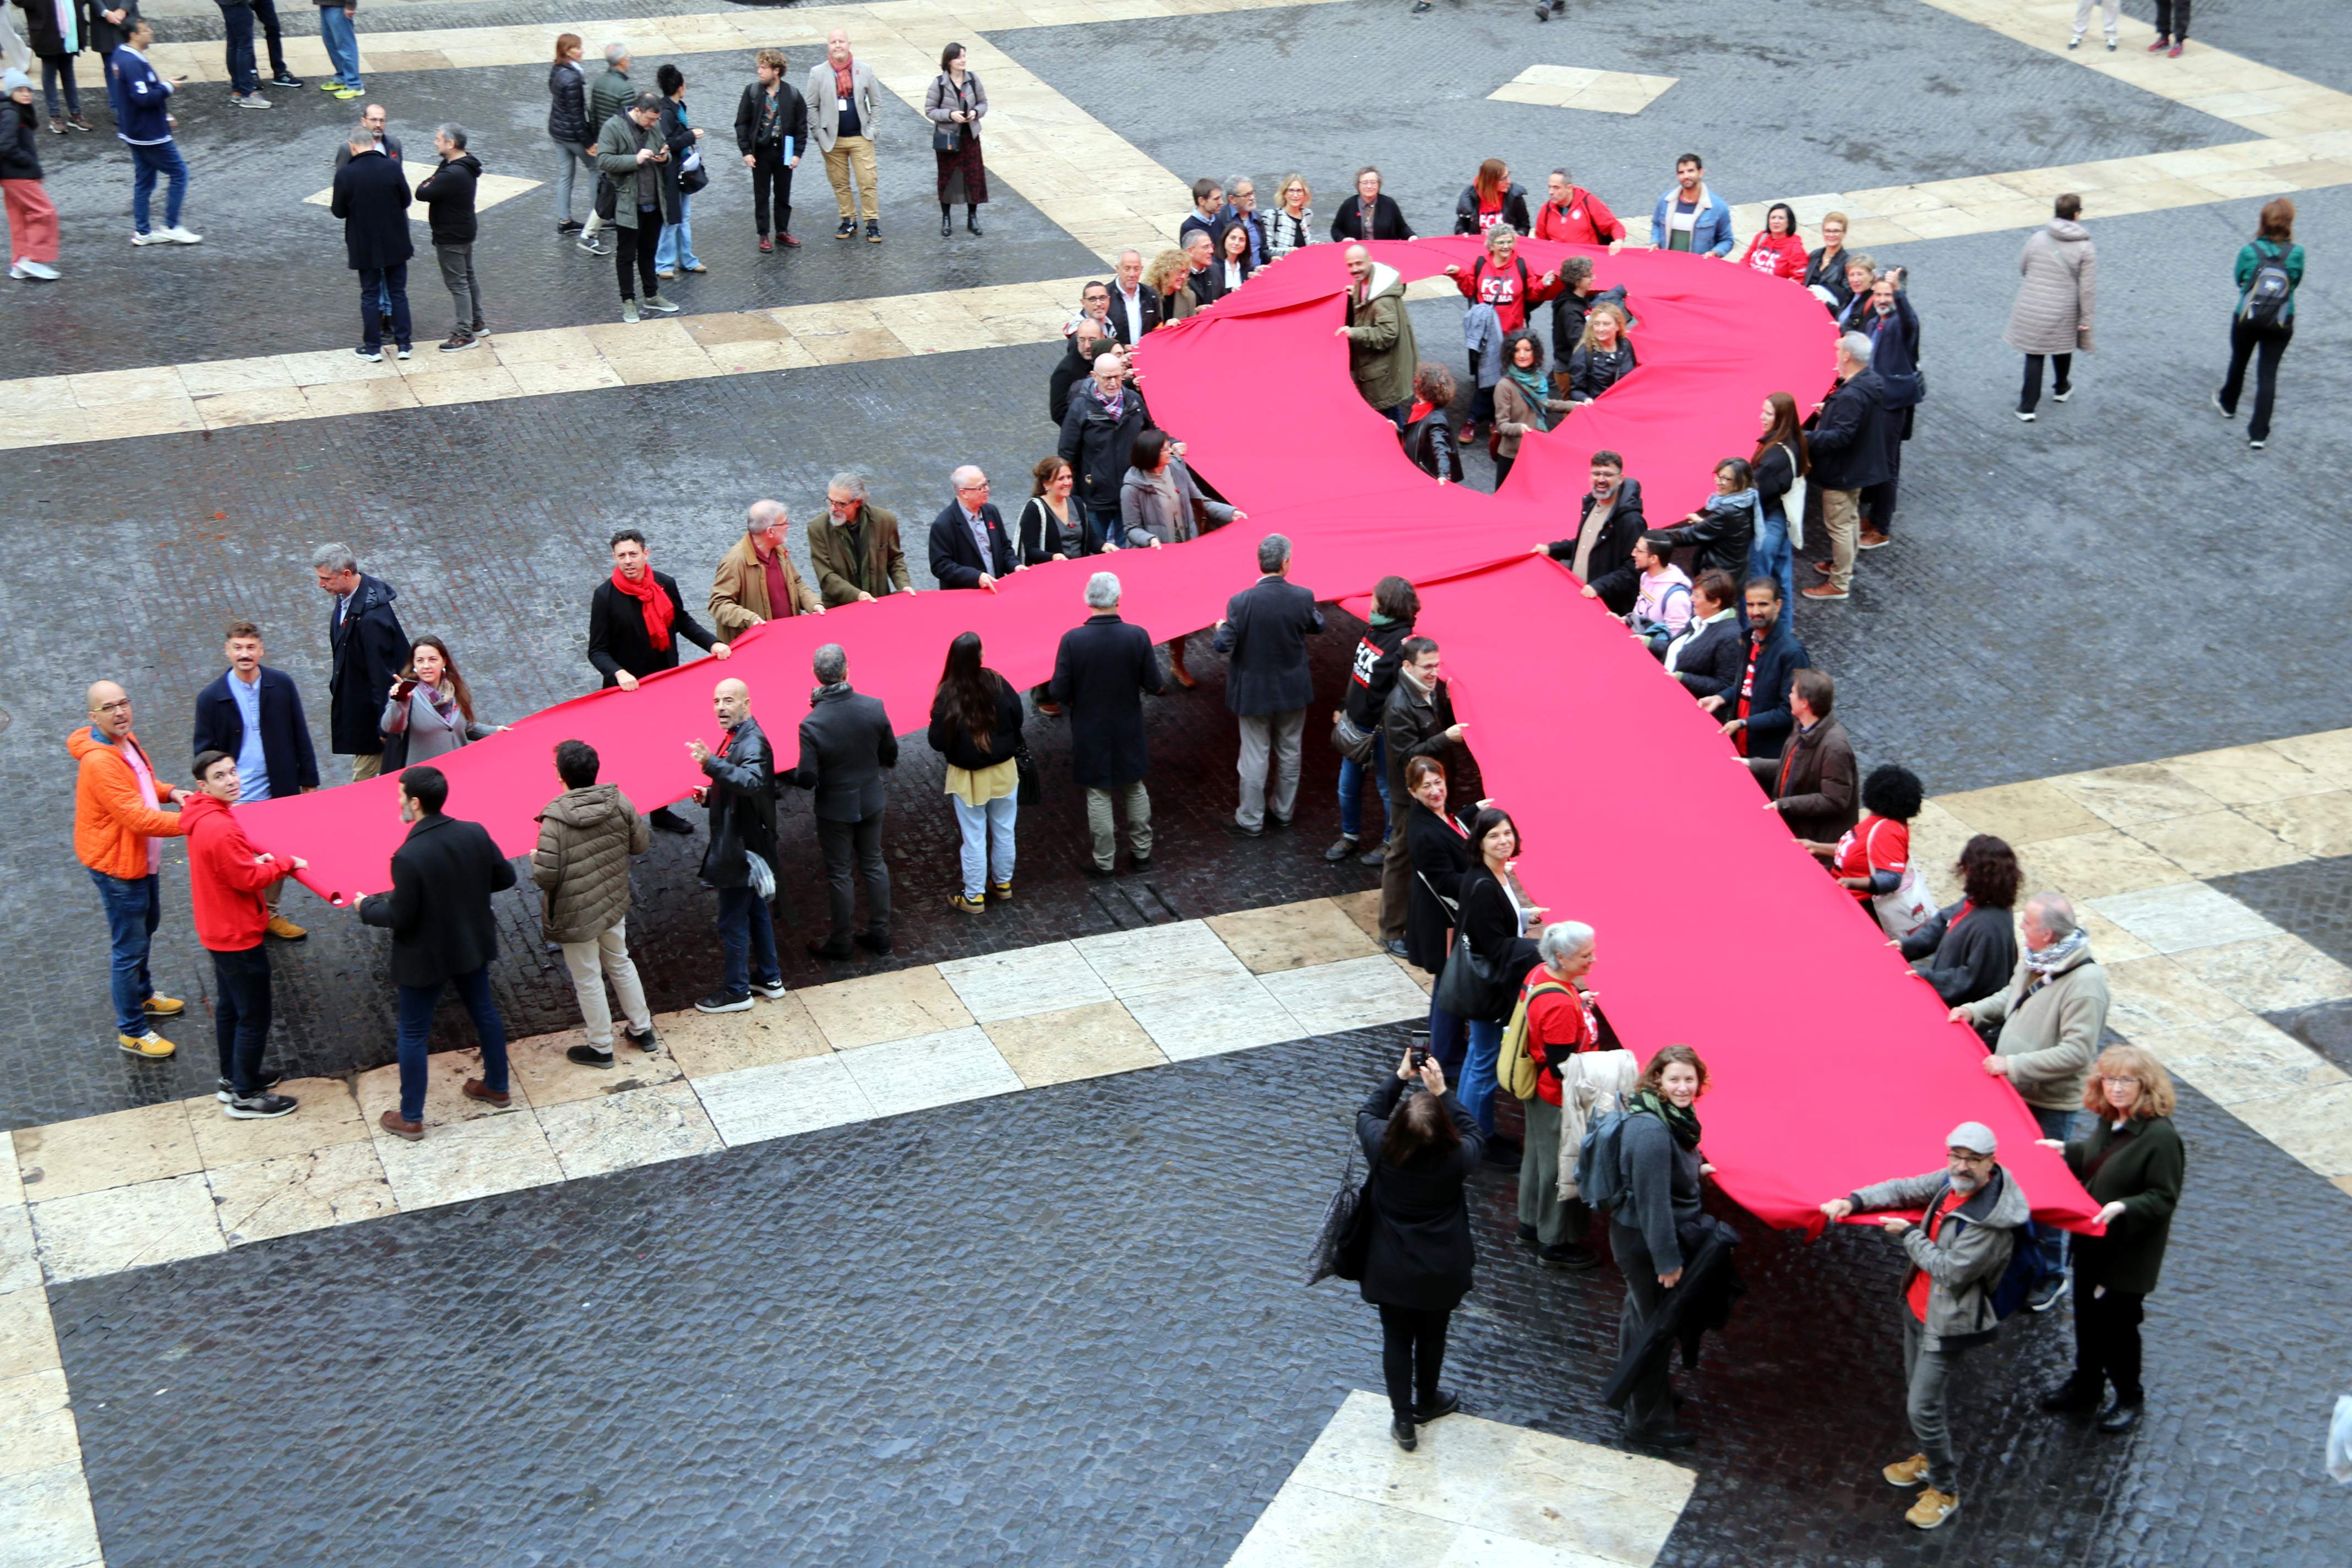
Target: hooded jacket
[1382,352]
[2061,270]
[1967,1256]
[224,881]
[582,863]
[448,193]
[113,821]
[2050,1038]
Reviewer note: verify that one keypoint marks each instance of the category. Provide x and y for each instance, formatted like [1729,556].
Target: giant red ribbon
[1832,1065]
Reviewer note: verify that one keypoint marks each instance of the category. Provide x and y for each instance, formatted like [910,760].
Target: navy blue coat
[285,733]
[370,649]
[1265,629]
[1769,719]
[955,558]
[1102,672]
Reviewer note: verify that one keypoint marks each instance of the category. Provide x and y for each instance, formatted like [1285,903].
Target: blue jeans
[677,247]
[238,20]
[54,69]
[987,837]
[2048,1241]
[375,283]
[1467,1050]
[1772,556]
[133,906]
[146,162]
[1104,530]
[417,1005]
[1351,789]
[342,41]
[747,934]
[241,1016]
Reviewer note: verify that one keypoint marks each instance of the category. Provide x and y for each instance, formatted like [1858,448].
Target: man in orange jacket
[227,885]
[118,816]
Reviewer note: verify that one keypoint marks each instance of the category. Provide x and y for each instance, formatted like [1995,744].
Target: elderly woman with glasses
[2131,1162]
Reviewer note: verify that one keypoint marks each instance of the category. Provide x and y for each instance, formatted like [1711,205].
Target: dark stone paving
[1066,1328]
[272,276]
[2312,899]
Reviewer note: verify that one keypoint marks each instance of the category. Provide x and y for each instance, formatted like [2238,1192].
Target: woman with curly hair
[1968,951]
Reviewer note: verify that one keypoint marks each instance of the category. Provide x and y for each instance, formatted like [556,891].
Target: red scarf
[845,80]
[1420,410]
[652,602]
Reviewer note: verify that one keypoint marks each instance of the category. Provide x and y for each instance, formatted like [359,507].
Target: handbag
[1345,1238]
[1909,906]
[1350,741]
[1031,787]
[608,197]
[1470,987]
[948,138]
[691,175]
[1793,503]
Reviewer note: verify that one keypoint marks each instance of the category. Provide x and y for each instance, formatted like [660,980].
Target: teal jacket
[2250,259]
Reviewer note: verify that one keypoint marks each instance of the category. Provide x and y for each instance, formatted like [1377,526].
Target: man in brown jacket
[586,835]
[758,575]
[854,548]
[1811,782]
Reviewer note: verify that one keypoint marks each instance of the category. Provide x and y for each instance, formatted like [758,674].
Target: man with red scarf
[843,116]
[634,624]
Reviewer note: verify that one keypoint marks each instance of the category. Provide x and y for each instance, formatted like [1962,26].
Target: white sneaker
[154,237]
[40,270]
[182,237]
[248,101]
[2023,417]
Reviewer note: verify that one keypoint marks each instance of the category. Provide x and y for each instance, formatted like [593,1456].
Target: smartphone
[1420,1057]
[403,688]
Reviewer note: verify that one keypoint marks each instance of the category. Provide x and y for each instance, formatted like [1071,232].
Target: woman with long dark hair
[1780,461]
[430,709]
[976,726]
[1418,1257]
[1233,264]
[1657,1149]
[1492,198]
[1468,1012]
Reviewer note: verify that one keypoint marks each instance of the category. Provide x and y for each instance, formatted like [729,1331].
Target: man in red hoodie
[1575,215]
[226,882]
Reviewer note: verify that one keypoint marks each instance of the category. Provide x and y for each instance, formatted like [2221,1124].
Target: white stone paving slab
[931,1069]
[1355,994]
[1208,1017]
[1027,981]
[753,1104]
[459,1161]
[116,1228]
[2180,916]
[637,1127]
[1155,959]
[46,1520]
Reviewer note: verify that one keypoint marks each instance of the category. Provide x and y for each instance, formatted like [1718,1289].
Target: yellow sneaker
[1911,1472]
[1932,1509]
[161,1006]
[150,1047]
[284,930]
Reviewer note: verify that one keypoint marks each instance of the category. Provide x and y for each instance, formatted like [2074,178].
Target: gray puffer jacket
[2061,290]
[582,864]
[1966,1259]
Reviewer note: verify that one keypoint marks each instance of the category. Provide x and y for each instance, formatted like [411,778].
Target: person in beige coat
[756,573]
[2052,317]
[2051,1015]
[586,835]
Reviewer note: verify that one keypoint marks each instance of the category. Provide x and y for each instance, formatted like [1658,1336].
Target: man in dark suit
[1102,671]
[254,714]
[636,618]
[371,198]
[970,547]
[1757,716]
[368,651]
[742,795]
[845,742]
[1848,449]
[438,913]
[1268,684]
[1134,310]
[1087,338]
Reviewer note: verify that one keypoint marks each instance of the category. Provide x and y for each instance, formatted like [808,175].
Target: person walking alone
[2052,316]
[1418,1257]
[2269,271]
[448,193]
[581,867]
[772,132]
[1268,684]
[976,726]
[442,934]
[229,891]
[32,217]
[118,816]
[143,124]
[953,105]
[844,115]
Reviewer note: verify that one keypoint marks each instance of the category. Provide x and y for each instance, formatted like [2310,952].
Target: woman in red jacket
[1561,1023]
[1777,251]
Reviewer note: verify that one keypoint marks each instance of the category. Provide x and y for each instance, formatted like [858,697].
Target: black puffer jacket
[952,737]
[448,193]
[20,156]
[567,110]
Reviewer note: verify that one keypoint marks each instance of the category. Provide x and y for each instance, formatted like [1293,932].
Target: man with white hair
[1559,1024]
[1134,310]
[970,546]
[1102,671]
[2050,1018]
[1848,448]
[1971,1212]
[854,548]
[756,581]
[844,114]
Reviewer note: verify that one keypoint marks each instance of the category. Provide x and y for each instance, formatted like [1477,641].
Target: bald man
[970,548]
[119,816]
[844,114]
[756,581]
[741,796]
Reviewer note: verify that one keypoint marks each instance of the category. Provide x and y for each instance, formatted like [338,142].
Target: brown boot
[392,1122]
[1176,666]
[475,1088]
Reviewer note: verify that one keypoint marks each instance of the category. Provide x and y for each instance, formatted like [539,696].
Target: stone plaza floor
[988,1252]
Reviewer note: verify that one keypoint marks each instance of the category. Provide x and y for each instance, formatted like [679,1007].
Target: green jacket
[1382,353]
[618,141]
[608,95]
[877,567]
[2142,1166]
[2050,1038]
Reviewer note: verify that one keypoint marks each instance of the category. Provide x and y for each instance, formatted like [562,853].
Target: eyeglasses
[121,707]
[2120,1082]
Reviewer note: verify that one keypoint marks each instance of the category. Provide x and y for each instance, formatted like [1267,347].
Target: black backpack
[2267,297]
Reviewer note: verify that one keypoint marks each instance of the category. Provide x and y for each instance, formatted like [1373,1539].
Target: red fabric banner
[1832,1065]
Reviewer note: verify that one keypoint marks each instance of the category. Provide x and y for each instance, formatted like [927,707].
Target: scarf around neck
[1680,1119]
[2055,956]
[1531,383]
[652,604]
[845,78]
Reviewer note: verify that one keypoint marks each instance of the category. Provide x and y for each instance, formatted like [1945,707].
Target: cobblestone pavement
[1064,1327]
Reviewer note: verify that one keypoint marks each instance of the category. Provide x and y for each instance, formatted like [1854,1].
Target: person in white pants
[2082,21]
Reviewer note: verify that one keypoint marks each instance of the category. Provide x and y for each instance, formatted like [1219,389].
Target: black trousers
[1878,501]
[771,173]
[852,851]
[241,1016]
[2106,1341]
[2172,19]
[2031,393]
[635,247]
[1412,1351]
[2247,341]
